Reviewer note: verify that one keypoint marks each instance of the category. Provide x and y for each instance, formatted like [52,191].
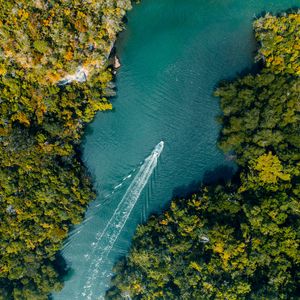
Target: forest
[238,239]
[55,74]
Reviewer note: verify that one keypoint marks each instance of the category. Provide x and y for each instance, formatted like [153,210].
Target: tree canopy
[54,77]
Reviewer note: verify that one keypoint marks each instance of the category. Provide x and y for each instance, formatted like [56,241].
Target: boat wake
[106,239]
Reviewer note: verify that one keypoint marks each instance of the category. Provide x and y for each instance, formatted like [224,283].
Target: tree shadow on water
[62,268]
[218,176]
[183,191]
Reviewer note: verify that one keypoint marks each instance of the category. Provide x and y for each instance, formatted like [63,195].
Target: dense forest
[240,239]
[54,77]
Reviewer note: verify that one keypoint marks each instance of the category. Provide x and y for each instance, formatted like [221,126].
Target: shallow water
[173,54]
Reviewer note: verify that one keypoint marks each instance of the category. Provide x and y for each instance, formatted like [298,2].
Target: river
[173,54]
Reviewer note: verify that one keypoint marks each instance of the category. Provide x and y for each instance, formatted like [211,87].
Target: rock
[10,210]
[117,64]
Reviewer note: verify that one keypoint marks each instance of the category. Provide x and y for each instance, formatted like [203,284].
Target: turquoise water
[173,54]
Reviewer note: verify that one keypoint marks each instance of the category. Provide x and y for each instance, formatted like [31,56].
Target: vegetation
[280,43]
[238,240]
[43,186]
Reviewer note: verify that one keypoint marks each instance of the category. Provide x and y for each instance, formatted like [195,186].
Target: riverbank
[53,78]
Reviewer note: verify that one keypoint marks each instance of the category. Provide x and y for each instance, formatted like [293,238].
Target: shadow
[218,176]
[290,10]
[183,191]
[88,130]
[255,69]
[61,266]
[63,270]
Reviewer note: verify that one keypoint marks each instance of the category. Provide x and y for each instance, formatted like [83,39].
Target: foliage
[215,245]
[44,188]
[240,240]
[263,117]
[280,42]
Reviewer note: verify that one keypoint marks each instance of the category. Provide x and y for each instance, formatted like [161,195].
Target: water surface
[173,54]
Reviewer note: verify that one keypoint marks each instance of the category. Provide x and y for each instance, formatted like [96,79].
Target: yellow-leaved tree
[266,171]
[270,169]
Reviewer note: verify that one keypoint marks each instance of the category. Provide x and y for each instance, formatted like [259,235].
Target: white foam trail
[69,242]
[115,225]
[76,231]
[118,186]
